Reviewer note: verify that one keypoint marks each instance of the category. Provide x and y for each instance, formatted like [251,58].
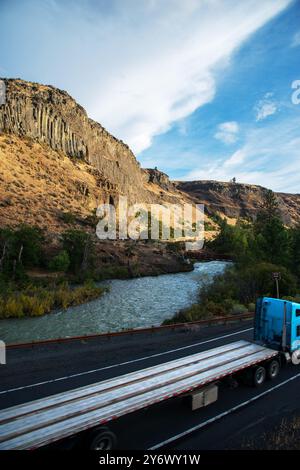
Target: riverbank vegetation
[258,249]
[23,249]
[33,300]
[33,267]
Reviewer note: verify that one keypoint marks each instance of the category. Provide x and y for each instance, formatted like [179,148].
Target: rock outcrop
[161,179]
[235,200]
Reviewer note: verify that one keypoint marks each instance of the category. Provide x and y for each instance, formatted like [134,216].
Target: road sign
[276,276]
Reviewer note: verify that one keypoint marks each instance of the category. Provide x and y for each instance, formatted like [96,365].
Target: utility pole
[277,278]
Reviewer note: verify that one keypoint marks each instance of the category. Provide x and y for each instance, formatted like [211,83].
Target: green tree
[78,246]
[232,240]
[295,250]
[272,238]
[28,245]
[20,248]
[269,208]
[60,262]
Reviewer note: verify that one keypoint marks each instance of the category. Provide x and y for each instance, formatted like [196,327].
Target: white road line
[221,415]
[123,363]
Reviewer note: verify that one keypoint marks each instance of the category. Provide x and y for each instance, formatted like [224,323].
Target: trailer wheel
[101,439]
[273,369]
[259,376]
[296,357]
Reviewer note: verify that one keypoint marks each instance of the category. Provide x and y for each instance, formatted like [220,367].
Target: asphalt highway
[239,419]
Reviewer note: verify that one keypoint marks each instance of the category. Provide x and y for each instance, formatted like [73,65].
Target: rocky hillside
[234,200]
[54,159]
[57,166]
[50,116]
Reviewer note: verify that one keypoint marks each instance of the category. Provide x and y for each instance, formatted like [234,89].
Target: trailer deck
[49,419]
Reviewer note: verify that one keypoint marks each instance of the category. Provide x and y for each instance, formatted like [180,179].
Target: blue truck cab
[277,324]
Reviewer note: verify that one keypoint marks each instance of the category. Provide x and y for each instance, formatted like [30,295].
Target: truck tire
[259,376]
[273,369]
[296,357]
[101,439]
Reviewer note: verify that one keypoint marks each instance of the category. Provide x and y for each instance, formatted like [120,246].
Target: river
[130,303]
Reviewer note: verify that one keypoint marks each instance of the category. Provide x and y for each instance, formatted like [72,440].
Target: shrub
[60,262]
[239,286]
[239,309]
[193,313]
[68,218]
[36,301]
[13,308]
[244,283]
[78,246]
[19,248]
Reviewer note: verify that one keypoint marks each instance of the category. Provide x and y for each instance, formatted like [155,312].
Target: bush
[193,313]
[68,217]
[239,309]
[214,308]
[19,248]
[78,246]
[60,262]
[239,286]
[92,219]
[36,301]
[244,283]
[12,308]
[208,227]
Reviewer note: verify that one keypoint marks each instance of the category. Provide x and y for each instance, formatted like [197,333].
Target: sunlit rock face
[235,200]
[52,117]
[54,159]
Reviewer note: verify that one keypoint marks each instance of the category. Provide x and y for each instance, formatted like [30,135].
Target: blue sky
[251,128]
[201,89]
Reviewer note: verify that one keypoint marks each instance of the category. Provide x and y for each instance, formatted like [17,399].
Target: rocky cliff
[50,116]
[54,159]
[235,200]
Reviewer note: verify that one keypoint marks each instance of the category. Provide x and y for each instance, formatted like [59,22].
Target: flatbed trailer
[47,420]
[81,414]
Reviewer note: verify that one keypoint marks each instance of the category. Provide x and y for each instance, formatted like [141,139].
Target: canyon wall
[50,116]
[52,154]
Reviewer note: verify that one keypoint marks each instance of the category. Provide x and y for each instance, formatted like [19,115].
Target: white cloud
[228,132]
[261,160]
[236,158]
[136,66]
[182,43]
[296,40]
[265,107]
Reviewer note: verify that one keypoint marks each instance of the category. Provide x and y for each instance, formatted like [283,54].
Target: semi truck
[81,415]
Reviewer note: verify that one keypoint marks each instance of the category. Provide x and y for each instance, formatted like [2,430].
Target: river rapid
[130,303]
